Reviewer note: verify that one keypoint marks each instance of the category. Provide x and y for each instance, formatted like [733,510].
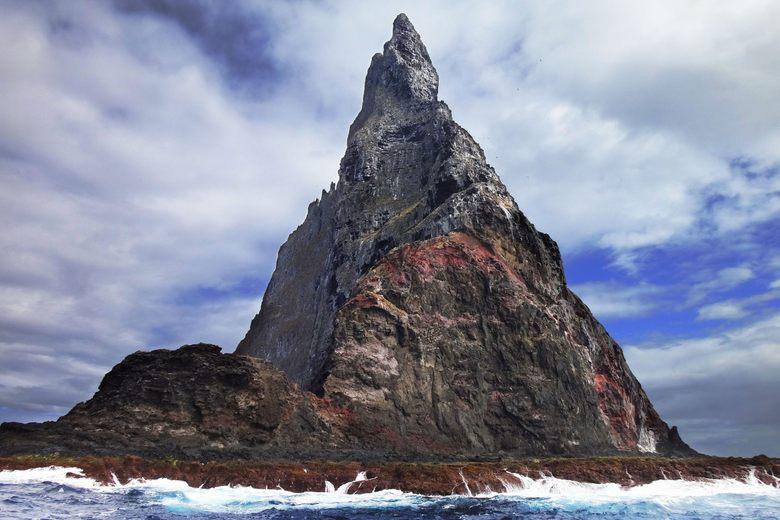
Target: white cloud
[721,311]
[746,200]
[737,308]
[698,70]
[705,384]
[723,280]
[609,300]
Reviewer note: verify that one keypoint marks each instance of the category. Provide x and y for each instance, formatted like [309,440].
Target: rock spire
[418,297]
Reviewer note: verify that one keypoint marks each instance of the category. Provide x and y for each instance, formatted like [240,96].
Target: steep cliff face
[446,346]
[417,296]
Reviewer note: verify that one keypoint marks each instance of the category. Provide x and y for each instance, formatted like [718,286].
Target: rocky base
[195,403]
[421,478]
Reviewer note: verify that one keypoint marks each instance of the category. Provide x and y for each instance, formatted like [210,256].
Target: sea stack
[419,298]
[416,314]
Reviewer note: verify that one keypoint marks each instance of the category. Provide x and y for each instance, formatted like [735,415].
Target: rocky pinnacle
[419,299]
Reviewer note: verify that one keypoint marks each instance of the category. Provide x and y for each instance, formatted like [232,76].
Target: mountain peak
[416,313]
[402,22]
[406,40]
[401,76]
[406,55]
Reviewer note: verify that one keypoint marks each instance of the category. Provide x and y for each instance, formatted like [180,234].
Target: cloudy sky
[154,154]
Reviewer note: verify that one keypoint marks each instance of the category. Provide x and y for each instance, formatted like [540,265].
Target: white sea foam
[178,495]
[55,474]
[344,488]
[552,487]
[227,498]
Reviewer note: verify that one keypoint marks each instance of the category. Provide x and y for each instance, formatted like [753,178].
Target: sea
[50,493]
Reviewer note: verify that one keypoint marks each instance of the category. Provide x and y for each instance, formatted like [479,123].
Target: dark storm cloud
[236,37]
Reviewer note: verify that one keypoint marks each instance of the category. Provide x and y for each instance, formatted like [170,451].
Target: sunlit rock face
[418,297]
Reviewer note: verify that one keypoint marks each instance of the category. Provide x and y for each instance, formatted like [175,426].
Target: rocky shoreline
[196,403]
[422,478]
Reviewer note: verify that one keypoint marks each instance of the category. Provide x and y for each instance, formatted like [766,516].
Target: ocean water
[49,493]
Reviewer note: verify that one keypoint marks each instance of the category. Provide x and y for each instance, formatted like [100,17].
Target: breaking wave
[60,490]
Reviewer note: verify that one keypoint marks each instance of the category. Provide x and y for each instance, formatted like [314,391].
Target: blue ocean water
[48,493]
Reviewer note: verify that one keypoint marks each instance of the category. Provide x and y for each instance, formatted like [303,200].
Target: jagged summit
[402,75]
[407,71]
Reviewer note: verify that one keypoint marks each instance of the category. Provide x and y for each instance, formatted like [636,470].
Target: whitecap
[179,496]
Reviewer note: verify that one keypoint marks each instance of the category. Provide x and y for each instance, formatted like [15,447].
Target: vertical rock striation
[417,296]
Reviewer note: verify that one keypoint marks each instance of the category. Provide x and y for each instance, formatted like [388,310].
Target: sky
[154,154]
